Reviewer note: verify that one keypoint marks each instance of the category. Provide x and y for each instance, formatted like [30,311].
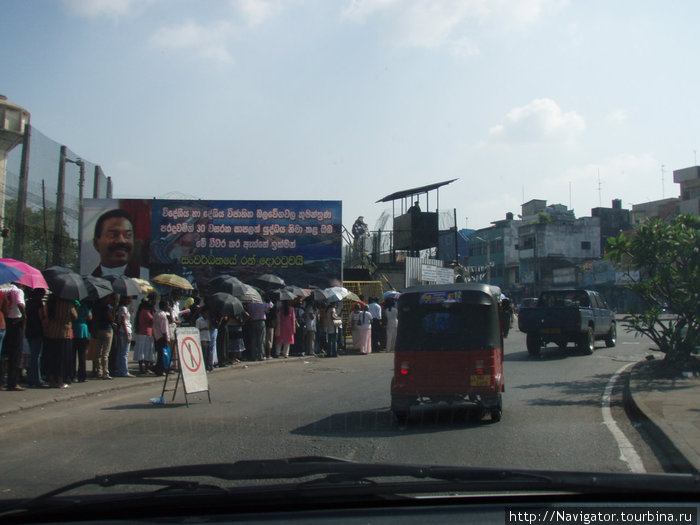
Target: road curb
[663,439]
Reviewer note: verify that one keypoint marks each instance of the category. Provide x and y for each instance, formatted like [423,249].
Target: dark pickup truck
[563,316]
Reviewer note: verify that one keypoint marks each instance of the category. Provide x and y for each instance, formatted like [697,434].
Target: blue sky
[355,99]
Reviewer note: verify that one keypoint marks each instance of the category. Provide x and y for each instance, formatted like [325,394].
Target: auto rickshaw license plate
[481,380]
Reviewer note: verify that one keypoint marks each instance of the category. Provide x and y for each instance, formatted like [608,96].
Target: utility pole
[81,186]
[60,205]
[20,213]
[456,237]
[663,190]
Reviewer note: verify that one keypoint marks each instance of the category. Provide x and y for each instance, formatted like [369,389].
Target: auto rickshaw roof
[494,292]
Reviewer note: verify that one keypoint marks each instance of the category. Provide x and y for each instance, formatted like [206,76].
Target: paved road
[552,418]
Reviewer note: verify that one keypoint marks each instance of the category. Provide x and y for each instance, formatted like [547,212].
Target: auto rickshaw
[449,348]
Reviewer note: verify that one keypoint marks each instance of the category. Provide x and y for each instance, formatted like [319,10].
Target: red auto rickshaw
[449,348]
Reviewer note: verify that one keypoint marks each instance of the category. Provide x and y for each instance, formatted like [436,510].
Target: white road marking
[627,452]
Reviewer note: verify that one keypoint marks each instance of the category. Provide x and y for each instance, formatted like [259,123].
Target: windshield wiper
[332,472]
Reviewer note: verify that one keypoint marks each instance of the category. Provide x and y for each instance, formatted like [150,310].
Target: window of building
[585,245]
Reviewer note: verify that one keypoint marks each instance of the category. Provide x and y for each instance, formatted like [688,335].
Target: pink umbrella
[31,277]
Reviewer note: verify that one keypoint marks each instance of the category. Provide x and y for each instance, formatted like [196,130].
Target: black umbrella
[249,294]
[53,270]
[296,290]
[123,285]
[65,283]
[224,303]
[97,287]
[285,295]
[227,284]
[216,281]
[270,281]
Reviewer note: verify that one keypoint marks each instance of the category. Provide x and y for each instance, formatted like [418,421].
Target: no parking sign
[192,365]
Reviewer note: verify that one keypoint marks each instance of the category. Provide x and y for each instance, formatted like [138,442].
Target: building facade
[689,179]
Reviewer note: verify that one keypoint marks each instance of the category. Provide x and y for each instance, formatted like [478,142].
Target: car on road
[568,315]
[528,302]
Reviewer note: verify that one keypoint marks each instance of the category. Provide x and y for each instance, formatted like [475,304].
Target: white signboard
[445,276]
[428,273]
[192,365]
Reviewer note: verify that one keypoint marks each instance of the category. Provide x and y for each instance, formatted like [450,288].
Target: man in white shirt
[203,324]
[376,310]
[15,322]
[161,335]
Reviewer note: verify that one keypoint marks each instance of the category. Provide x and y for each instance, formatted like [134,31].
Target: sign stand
[190,364]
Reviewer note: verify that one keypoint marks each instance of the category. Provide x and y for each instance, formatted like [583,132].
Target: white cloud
[464,47]
[109,8]
[617,116]
[255,12]
[358,10]
[542,120]
[209,42]
[438,23]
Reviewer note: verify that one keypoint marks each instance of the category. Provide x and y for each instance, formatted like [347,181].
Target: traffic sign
[192,366]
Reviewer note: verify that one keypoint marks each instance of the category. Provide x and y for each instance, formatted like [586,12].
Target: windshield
[213,215]
[575,298]
[447,326]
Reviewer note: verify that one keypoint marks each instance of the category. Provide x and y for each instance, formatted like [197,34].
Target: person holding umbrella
[57,318]
[103,318]
[3,330]
[391,315]
[35,335]
[258,314]
[144,351]
[15,321]
[81,338]
[203,324]
[286,327]
[310,327]
[124,337]
[332,322]
[161,335]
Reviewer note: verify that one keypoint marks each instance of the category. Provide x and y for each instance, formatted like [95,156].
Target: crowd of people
[46,341]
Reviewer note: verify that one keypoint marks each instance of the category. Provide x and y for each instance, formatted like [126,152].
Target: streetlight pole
[81,185]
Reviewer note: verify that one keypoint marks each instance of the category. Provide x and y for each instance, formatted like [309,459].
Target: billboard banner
[300,241]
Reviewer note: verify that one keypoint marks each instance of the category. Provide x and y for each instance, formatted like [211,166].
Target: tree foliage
[39,231]
[667,258]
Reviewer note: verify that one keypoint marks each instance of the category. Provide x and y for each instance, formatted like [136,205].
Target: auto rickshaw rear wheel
[497,411]
[401,410]
[401,416]
[476,414]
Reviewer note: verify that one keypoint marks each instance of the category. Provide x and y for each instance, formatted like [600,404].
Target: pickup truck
[563,316]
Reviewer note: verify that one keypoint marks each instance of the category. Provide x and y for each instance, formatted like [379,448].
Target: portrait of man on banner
[115,238]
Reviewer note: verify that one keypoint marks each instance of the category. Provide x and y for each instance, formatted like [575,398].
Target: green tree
[39,234]
[666,256]
[544,218]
